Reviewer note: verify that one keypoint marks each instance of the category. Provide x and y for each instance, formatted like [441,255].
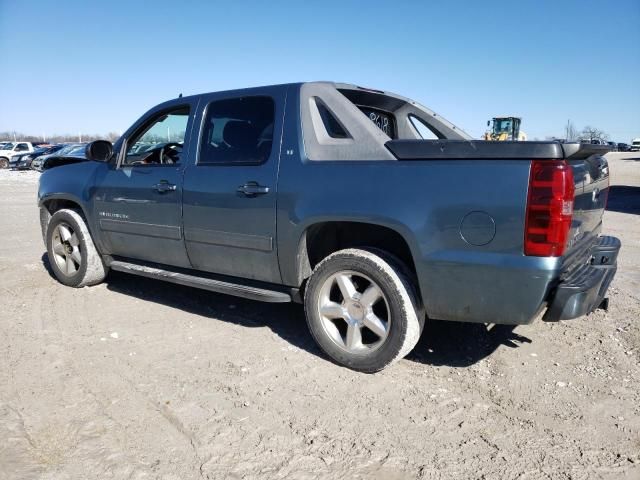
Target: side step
[205,283]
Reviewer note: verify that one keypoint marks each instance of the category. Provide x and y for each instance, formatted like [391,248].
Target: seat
[242,138]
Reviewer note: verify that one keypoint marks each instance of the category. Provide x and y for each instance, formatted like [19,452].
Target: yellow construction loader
[505,129]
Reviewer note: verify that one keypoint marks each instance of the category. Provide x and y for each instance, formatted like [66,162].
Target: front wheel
[72,254]
[4,163]
[362,310]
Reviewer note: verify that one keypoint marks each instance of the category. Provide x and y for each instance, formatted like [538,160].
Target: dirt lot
[139,379]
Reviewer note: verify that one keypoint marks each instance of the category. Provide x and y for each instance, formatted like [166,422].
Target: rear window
[385,121]
[78,150]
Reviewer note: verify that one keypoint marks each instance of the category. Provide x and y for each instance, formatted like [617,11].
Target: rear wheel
[4,163]
[72,254]
[362,310]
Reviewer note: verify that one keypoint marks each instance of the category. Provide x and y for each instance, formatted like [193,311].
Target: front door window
[160,142]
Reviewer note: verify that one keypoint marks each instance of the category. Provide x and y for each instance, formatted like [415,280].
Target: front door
[137,201]
[229,198]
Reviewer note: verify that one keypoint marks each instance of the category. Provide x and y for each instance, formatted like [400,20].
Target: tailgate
[591,178]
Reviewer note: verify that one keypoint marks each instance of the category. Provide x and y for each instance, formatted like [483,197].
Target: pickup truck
[328,194]
[10,149]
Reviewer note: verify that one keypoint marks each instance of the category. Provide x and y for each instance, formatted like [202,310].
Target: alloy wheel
[66,249]
[354,312]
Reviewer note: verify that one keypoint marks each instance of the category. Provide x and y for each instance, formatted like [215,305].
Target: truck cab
[13,148]
[504,129]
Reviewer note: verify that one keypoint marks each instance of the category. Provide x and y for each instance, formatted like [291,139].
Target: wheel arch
[50,204]
[319,239]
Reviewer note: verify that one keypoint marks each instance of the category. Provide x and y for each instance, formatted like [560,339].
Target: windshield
[7,146]
[502,125]
[636,142]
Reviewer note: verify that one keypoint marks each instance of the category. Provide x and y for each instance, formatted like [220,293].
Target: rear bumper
[585,288]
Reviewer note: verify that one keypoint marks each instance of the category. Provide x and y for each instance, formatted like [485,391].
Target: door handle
[252,189]
[164,187]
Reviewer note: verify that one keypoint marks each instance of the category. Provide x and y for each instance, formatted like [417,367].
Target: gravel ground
[140,379]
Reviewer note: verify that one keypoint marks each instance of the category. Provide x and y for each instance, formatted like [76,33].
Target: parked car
[613,145]
[69,154]
[635,145]
[13,148]
[623,147]
[23,161]
[326,194]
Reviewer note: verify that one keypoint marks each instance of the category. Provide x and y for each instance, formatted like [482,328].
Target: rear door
[137,200]
[229,197]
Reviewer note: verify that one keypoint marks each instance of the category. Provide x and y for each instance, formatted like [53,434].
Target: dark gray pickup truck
[372,210]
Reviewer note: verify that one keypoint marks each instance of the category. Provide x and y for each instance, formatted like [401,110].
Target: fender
[72,183]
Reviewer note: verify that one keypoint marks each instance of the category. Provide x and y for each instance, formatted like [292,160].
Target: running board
[205,283]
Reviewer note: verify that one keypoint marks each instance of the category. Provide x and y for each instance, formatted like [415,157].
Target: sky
[96,66]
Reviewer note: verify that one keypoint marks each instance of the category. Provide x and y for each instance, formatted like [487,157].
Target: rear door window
[238,131]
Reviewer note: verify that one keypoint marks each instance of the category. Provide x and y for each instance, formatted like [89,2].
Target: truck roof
[355,95]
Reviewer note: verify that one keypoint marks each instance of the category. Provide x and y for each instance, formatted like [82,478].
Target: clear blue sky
[96,66]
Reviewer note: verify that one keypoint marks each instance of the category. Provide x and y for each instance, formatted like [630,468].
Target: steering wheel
[170,147]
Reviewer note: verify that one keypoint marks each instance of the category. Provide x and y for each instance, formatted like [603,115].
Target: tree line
[571,134]
[590,133]
[66,138]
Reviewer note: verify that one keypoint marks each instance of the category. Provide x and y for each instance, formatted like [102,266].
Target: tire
[72,254]
[362,310]
[4,163]
[410,278]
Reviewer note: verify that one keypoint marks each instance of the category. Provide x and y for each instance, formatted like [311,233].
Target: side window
[422,128]
[237,131]
[22,147]
[160,141]
[331,124]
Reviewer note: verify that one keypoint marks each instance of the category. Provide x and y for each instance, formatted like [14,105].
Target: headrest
[240,134]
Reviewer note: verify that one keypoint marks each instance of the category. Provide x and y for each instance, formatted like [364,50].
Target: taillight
[549,208]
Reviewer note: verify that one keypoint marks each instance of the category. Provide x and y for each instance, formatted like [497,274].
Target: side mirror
[99,151]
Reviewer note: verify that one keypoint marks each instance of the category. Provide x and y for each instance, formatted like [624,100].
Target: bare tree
[570,132]
[592,133]
[113,136]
